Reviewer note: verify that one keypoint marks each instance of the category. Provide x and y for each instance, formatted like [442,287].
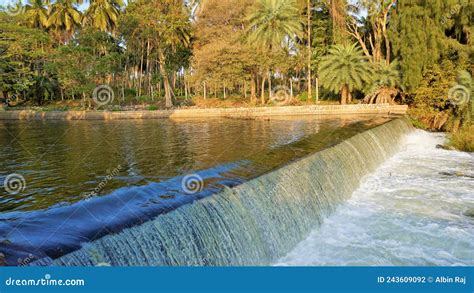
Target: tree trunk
[345,94]
[166,82]
[245,90]
[253,89]
[317,90]
[291,88]
[270,90]
[310,93]
[262,98]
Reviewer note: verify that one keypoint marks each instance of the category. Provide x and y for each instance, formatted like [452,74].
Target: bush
[463,140]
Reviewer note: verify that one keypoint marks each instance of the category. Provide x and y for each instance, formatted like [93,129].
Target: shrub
[463,140]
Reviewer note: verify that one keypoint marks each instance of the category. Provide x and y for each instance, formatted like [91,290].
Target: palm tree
[103,14]
[344,70]
[386,84]
[271,23]
[64,18]
[37,13]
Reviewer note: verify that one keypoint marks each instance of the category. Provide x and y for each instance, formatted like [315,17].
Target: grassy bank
[463,139]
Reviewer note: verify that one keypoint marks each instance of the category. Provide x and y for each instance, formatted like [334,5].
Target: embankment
[207,113]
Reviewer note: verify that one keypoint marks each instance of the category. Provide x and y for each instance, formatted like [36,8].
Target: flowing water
[411,211]
[258,221]
[88,179]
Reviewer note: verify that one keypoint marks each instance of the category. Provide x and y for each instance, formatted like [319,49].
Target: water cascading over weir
[254,223]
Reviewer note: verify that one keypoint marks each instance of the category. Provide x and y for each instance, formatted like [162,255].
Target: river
[410,212]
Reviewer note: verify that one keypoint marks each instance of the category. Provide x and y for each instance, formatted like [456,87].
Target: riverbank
[243,113]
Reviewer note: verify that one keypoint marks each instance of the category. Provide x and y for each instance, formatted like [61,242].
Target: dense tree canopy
[169,53]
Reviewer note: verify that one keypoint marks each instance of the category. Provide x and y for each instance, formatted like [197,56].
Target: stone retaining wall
[207,113]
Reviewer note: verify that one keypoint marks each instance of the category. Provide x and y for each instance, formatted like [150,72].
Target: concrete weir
[254,223]
[208,113]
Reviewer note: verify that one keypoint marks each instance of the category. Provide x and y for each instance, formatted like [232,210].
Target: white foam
[406,213]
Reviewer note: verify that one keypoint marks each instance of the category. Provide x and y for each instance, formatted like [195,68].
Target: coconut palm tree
[344,70]
[37,13]
[273,21]
[64,18]
[103,14]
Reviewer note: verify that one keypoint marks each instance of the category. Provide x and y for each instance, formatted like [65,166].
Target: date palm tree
[273,21]
[344,70]
[103,14]
[386,85]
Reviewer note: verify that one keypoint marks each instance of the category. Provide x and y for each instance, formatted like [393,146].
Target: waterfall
[254,223]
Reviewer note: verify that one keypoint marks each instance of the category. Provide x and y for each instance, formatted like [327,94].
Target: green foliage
[272,22]
[64,18]
[345,69]
[419,48]
[152,108]
[242,48]
[103,14]
[37,13]
[463,140]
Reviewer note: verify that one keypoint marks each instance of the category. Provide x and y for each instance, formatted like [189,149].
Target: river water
[87,179]
[409,212]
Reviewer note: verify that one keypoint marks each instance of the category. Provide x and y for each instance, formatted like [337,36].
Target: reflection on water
[63,162]
[410,212]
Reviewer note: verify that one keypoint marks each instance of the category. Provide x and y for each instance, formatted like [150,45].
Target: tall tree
[344,70]
[309,44]
[338,10]
[418,48]
[273,25]
[103,14]
[158,29]
[37,13]
[374,38]
[273,21]
[64,18]
[221,60]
